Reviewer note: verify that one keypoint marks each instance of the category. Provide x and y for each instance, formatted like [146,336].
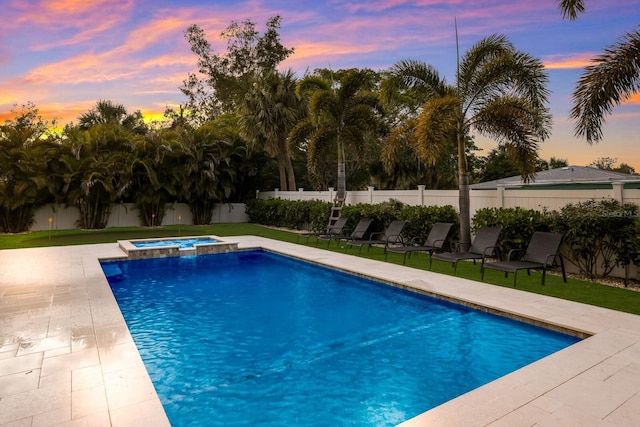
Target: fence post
[330,194]
[500,195]
[617,191]
[300,191]
[276,190]
[370,190]
[421,188]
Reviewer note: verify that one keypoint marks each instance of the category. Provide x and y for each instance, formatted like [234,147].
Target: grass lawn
[574,290]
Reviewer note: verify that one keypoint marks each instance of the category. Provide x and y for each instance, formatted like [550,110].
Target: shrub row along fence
[537,197]
[602,237]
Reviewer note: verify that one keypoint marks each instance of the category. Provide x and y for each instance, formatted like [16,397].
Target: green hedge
[315,215]
[292,214]
[517,224]
[598,234]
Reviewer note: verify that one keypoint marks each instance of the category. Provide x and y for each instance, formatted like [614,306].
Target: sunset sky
[65,55]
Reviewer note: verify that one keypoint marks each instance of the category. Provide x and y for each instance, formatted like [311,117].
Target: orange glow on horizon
[568,62]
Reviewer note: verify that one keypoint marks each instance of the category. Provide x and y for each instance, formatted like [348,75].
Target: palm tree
[155,172]
[268,112]
[343,114]
[97,165]
[106,112]
[26,151]
[212,155]
[500,93]
[613,77]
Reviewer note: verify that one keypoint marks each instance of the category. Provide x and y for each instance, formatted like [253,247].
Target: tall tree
[268,113]
[556,163]
[26,150]
[343,115]
[107,112]
[223,78]
[212,157]
[500,92]
[608,164]
[155,173]
[97,165]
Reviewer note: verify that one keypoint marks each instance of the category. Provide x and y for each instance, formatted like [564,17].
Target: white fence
[549,198]
[527,198]
[60,217]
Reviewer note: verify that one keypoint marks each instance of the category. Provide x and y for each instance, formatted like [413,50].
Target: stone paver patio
[67,358]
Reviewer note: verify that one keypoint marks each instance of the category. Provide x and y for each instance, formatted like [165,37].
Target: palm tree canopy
[571,8]
[343,115]
[611,79]
[501,93]
[107,112]
[268,111]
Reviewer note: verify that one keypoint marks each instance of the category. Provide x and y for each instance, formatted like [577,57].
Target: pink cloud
[78,20]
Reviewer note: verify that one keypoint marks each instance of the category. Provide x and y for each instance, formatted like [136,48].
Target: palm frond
[571,8]
[516,124]
[400,137]
[612,78]
[435,127]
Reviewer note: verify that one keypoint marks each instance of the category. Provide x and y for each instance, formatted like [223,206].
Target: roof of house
[566,175]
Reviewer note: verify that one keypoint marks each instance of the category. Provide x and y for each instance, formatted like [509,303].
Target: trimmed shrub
[420,219]
[381,213]
[517,224]
[289,213]
[599,235]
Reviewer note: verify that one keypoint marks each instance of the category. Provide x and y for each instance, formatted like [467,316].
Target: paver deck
[67,358]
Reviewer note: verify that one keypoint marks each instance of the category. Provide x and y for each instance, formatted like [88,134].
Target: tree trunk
[463,197]
[342,175]
[291,177]
[342,180]
[282,172]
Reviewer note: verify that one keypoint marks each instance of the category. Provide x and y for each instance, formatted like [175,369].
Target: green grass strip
[574,290]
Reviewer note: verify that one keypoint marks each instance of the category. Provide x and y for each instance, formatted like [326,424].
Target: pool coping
[66,355]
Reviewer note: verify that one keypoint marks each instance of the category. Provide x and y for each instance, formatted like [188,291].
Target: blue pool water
[181,243]
[258,339]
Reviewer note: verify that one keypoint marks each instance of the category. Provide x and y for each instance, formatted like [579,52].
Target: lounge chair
[336,228]
[435,240]
[542,252]
[484,246]
[392,235]
[358,233]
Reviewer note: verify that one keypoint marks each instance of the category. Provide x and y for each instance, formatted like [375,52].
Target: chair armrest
[435,244]
[490,250]
[372,235]
[459,245]
[513,251]
[393,238]
[553,259]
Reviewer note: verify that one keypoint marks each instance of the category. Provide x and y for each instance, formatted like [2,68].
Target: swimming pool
[252,338]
